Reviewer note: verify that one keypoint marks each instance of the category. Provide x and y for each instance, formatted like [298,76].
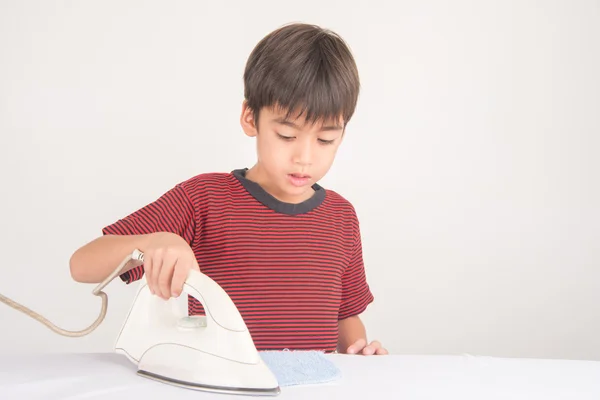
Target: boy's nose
[303,154]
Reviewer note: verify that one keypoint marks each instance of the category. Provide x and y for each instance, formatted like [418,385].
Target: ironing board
[109,376]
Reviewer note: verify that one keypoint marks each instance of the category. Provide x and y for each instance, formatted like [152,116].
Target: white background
[472,159]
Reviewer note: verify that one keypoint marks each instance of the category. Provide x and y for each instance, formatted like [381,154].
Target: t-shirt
[292,270]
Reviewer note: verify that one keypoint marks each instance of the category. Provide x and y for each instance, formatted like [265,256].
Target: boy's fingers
[382,351]
[181,274]
[166,275]
[368,350]
[375,344]
[195,263]
[372,348]
[357,346]
[157,264]
[179,277]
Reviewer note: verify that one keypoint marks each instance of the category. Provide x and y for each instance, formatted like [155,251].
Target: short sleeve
[172,212]
[356,294]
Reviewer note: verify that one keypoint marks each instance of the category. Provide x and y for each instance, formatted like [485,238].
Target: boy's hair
[305,69]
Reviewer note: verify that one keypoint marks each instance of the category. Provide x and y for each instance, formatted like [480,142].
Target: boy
[287,251]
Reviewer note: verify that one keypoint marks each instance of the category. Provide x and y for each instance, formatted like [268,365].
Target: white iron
[213,353]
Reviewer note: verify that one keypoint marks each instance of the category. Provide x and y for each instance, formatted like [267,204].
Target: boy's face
[292,154]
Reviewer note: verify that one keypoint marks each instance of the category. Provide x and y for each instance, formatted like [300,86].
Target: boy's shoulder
[210,181]
[339,206]
[339,199]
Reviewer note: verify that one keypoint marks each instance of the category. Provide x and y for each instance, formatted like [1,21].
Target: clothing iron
[214,353]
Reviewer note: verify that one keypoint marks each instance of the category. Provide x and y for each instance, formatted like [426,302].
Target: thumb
[180,275]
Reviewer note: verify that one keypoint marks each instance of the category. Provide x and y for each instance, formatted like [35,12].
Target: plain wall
[472,159]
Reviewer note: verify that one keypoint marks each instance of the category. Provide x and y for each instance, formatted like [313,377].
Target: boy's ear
[247,120]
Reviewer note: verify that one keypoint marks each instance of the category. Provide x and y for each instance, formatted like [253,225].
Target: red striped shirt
[293,270]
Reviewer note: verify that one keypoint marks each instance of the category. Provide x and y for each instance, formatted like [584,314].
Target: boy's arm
[356,296]
[93,262]
[350,330]
[169,220]
[353,338]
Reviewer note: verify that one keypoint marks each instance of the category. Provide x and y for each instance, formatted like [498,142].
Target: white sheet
[110,376]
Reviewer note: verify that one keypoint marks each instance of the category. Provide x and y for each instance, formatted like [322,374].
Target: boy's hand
[360,346]
[167,261]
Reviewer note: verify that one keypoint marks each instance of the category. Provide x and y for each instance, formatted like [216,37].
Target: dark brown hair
[302,68]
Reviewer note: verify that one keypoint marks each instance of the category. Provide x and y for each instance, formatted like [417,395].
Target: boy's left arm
[353,338]
[356,295]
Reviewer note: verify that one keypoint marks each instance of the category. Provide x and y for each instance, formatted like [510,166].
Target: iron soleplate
[208,388]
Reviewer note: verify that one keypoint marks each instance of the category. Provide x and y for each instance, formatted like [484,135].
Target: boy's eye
[285,137]
[326,141]
[290,138]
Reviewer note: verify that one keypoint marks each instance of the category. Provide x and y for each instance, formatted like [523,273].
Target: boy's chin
[296,194]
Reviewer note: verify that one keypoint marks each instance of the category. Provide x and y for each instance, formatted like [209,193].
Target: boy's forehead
[297,119]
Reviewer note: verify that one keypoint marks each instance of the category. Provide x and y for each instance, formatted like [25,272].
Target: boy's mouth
[300,176]
[299,179]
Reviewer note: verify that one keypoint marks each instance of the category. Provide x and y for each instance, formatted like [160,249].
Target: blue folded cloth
[300,367]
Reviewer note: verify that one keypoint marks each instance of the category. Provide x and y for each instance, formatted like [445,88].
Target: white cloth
[111,376]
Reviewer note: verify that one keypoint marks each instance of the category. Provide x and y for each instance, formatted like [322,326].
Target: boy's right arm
[167,260]
[93,262]
[163,230]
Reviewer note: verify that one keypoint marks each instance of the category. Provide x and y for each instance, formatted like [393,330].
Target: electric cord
[135,256]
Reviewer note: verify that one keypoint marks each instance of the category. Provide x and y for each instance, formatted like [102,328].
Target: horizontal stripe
[292,277]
